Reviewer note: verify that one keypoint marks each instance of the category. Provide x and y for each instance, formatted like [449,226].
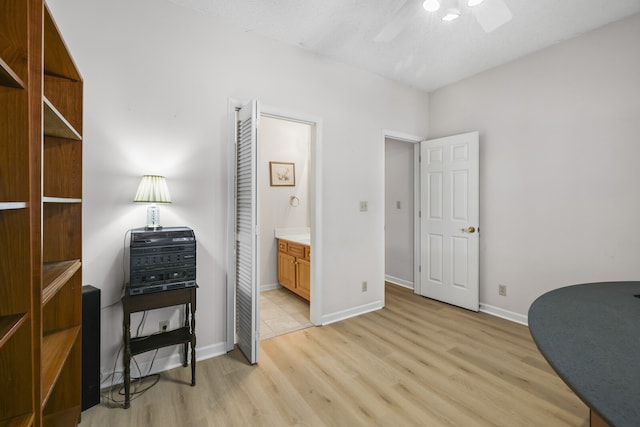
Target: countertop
[590,335]
[303,239]
[301,235]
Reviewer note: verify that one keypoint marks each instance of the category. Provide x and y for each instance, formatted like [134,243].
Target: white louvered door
[450,218]
[247,231]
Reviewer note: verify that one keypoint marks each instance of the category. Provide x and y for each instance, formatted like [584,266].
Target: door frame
[315,306]
[415,140]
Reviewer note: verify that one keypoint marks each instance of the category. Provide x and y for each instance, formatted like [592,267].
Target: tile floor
[282,312]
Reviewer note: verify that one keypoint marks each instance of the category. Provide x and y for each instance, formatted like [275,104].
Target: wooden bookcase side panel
[62,232]
[64,309]
[66,392]
[13,37]
[66,96]
[15,268]
[16,374]
[14,146]
[62,168]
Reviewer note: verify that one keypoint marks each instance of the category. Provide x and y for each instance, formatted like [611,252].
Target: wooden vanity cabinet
[294,267]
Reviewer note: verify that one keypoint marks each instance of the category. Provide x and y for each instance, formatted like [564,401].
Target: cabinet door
[287,270]
[303,276]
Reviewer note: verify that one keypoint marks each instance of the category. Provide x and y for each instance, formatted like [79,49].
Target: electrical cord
[135,382]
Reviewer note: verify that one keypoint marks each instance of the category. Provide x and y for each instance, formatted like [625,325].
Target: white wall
[399,232]
[157,82]
[559,154]
[281,141]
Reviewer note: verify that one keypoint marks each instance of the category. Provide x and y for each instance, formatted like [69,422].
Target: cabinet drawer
[296,250]
[282,246]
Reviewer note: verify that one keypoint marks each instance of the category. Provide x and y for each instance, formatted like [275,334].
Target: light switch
[398,204]
[364,206]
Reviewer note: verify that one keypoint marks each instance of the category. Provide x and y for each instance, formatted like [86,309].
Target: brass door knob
[468,230]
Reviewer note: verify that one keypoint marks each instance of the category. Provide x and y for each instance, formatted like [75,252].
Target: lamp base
[153,217]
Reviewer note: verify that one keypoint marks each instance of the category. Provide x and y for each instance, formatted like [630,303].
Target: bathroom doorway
[245,234]
[285,212]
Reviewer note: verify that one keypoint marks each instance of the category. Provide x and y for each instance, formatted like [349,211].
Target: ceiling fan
[490,14]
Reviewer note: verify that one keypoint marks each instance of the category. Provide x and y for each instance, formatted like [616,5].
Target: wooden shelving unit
[40,220]
[8,77]
[20,421]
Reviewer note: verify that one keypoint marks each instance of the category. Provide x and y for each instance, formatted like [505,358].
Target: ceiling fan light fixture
[431,5]
[451,15]
[472,3]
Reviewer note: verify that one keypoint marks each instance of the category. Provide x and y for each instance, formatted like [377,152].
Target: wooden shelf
[9,325]
[55,275]
[60,200]
[8,77]
[55,124]
[55,350]
[68,417]
[57,61]
[5,206]
[165,339]
[21,421]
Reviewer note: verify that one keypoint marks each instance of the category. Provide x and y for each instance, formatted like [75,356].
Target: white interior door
[450,218]
[247,233]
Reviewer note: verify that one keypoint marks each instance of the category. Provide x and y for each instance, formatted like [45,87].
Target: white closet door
[247,231]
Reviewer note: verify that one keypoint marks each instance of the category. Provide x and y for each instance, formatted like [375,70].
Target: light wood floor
[415,362]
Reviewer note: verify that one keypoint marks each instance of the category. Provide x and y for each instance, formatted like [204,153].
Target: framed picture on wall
[283,174]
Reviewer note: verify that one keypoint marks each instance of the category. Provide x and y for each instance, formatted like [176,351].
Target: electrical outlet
[364,206]
[502,290]
[364,286]
[164,326]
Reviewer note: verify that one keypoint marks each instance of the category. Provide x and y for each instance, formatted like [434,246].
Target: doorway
[402,204]
[399,212]
[244,226]
[284,211]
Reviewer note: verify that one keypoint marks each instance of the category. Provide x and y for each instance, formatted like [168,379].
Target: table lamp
[153,189]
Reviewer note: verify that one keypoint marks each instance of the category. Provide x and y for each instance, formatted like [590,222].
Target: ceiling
[427,53]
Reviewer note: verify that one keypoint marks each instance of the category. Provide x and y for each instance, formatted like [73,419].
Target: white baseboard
[270,287]
[174,360]
[399,282]
[505,314]
[352,312]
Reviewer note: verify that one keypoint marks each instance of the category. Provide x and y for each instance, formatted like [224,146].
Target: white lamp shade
[153,189]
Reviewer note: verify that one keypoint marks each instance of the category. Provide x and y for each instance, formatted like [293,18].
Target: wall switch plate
[398,205]
[364,206]
[364,286]
[502,290]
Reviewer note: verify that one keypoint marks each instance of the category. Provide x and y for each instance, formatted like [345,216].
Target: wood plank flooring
[416,362]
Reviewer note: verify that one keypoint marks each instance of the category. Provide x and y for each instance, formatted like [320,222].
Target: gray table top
[590,335]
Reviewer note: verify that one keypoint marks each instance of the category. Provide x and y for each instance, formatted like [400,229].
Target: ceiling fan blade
[394,27]
[492,14]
